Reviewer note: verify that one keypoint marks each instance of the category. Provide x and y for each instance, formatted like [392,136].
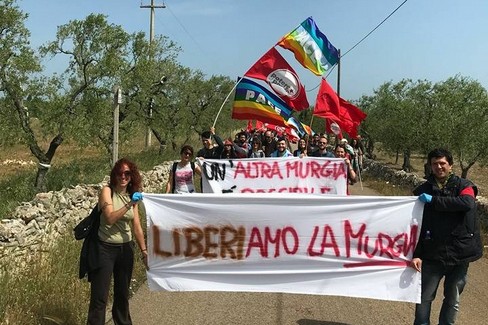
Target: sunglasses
[187,153]
[322,142]
[126,173]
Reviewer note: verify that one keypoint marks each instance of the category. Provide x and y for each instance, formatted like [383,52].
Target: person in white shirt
[182,175]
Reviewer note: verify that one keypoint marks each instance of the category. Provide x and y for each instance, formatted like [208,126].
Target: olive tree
[418,116]
[460,122]
[25,94]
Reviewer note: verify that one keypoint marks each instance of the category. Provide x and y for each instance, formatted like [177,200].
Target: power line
[377,26]
[371,32]
[186,31]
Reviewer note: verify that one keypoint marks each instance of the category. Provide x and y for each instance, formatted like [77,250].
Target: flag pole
[359,173]
[308,138]
[339,72]
[225,101]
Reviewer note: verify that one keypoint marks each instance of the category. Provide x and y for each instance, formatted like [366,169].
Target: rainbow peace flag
[310,47]
[254,102]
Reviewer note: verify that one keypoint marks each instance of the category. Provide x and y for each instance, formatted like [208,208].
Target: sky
[424,39]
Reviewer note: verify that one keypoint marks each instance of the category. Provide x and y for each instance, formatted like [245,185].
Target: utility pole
[152,6]
[115,143]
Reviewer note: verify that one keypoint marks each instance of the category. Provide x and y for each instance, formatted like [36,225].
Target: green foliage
[419,116]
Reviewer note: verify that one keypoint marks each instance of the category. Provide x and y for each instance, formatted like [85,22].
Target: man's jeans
[454,282]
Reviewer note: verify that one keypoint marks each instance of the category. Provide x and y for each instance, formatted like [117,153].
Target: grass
[386,188]
[49,291]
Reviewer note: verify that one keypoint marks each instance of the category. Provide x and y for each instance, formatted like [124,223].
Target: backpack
[173,172]
[83,229]
[85,226]
[87,230]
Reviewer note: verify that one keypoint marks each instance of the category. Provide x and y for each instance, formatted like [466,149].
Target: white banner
[310,175]
[356,246]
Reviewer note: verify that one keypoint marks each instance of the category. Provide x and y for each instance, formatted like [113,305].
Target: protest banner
[310,175]
[356,246]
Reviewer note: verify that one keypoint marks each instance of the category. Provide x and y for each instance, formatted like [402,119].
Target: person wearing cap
[230,150]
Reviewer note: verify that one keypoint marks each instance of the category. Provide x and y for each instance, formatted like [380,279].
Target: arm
[198,170]
[350,171]
[239,150]
[464,202]
[170,181]
[216,138]
[106,204]
[139,235]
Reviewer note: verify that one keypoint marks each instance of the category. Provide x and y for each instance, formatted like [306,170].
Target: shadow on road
[317,322]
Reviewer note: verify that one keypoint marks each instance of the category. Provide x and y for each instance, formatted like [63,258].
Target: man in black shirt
[210,150]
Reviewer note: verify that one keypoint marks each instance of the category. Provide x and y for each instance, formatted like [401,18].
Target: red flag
[287,131]
[350,117]
[281,77]
[259,125]
[327,102]
[335,109]
[249,126]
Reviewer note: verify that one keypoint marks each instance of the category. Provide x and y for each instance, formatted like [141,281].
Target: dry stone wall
[400,177]
[35,225]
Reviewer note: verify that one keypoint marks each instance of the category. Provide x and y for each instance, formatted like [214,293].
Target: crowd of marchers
[449,238]
[262,144]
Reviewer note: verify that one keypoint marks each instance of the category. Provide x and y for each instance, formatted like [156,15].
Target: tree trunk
[397,157]
[45,162]
[465,169]
[44,159]
[406,161]
[41,179]
[161,141]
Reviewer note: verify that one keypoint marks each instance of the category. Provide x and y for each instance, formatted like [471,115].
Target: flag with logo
[282,79]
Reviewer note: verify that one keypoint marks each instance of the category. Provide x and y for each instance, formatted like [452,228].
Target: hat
[228,143]
[343,140]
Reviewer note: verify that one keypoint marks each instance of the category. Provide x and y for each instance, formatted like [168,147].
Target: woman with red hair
[119,225]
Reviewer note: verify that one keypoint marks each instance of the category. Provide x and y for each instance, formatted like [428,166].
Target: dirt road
[188,308]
